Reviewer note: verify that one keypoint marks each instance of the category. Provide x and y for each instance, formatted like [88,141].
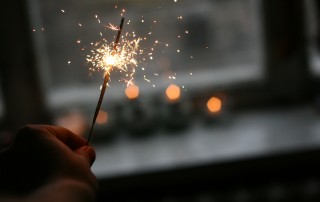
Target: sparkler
[106,79]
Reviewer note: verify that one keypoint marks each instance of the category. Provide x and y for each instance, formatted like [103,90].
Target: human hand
[47,162]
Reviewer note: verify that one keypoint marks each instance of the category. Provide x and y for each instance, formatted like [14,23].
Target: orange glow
[104,56]
[102,117]
[173,92]
[214,104]
[132,92]
[74,121]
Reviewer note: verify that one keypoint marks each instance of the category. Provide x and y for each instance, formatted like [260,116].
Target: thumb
[88,153]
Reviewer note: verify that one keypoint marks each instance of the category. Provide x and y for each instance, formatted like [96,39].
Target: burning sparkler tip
[106,58]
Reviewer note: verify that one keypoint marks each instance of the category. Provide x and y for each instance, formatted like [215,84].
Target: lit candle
[176,112]
[214,109]
[138,114]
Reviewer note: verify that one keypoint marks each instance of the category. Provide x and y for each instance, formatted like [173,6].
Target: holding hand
[47,163]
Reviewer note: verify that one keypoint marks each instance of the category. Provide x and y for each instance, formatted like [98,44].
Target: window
[200,46]
[210,42]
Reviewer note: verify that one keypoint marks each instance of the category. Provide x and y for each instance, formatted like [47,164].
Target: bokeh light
[214,105]
[132,92]
[173,92]
[102,117]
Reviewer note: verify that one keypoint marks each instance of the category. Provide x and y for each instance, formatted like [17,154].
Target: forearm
[65,191]
[62,191]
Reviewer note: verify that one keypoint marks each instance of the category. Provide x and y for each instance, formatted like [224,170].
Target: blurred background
[227,108]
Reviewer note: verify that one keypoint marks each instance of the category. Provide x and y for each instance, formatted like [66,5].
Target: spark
[104,57]
[107,73]
[97,17]
[112,27]
[122,12]
[146,79]
[128,82]
[63,11]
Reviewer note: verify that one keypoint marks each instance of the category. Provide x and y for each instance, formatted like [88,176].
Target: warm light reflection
[173,92]
[132,92]
[214,104]
[102,117]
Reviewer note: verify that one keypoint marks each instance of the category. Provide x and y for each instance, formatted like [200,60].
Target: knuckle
[28,132]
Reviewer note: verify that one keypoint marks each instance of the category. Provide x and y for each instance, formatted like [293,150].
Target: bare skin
[47,163]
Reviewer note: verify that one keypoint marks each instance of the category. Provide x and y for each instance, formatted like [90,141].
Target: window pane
[197,44]
[204,39]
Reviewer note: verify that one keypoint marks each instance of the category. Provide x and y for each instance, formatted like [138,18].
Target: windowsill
[239,136]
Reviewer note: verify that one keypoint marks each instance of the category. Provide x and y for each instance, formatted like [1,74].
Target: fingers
[74,142]
[88,153]
[64,135]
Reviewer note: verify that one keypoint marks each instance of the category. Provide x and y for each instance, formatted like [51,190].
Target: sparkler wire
[104,85]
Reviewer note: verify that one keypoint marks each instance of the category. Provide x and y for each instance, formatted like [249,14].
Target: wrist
[68,190]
